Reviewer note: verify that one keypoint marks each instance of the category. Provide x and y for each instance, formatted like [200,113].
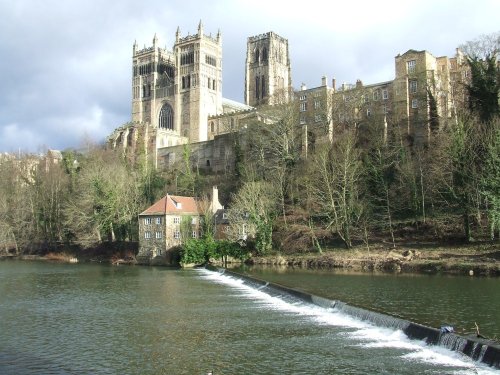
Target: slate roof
[173,204]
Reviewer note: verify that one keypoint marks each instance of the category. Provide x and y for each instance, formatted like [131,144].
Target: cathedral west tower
[268,78]
[175,91]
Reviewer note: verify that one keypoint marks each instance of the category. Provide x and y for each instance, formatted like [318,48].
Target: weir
[481,350]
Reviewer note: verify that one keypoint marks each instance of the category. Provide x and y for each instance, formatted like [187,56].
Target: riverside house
[167,222]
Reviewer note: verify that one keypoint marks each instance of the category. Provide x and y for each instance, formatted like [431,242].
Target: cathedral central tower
[268,78]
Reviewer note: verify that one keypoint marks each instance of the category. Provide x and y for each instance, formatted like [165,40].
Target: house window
[317,104]
[158,220]
[177,220]
[302,120]
[366,99]
[385,109]
[193,235]
[224,215]
[376,95]
[414,103]
[158,235]
[177,234]
[148,220]
[147,235]
[368,112]
[413,87]
[303,107]
[385,94]
[302,97]
[193,220]
[411,66]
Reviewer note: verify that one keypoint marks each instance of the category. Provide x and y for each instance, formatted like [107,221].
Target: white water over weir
[481,350]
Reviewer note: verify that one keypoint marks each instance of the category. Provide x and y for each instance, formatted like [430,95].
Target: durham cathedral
[177,98]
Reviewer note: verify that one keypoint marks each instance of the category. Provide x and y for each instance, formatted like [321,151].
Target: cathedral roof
[229,106]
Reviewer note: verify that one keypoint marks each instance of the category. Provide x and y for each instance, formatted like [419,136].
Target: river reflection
[95,319]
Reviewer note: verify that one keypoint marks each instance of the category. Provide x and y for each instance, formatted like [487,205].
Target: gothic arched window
[166,120]
[264,54]
[257,94]
[257,55]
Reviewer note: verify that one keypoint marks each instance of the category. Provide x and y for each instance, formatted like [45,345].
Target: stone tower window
[166,120]
[264,54]
[410,66]
[257,55]
[257,93]
[263,86]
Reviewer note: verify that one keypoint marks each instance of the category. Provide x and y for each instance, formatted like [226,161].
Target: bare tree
[106,200]
[335,185]
[252,214]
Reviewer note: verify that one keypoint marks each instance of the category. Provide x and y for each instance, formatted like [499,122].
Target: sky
[65,65]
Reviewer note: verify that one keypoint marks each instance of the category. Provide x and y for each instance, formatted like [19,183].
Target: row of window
[317,118]
[187,58]
[210,60]
[159,220]
[159,235]
[148,68]
[385,110]
[260,57]
[188,82]
[149,220]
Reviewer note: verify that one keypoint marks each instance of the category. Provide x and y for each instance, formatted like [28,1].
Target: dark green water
[95,319]
[432,300]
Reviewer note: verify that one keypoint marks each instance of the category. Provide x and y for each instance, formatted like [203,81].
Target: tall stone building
[268,77]
[315,114]
[421,99]
[175,91]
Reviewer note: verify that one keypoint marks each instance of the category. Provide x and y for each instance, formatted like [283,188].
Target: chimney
[323,81]
[359,83]
[215,200]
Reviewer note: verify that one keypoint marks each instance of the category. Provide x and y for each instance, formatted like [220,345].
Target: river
[99,319]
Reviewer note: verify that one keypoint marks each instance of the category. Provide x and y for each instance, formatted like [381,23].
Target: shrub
[199,251]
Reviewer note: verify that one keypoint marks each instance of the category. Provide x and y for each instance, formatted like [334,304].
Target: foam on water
[362,333]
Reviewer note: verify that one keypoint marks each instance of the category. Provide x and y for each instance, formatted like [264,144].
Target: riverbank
[478,260]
